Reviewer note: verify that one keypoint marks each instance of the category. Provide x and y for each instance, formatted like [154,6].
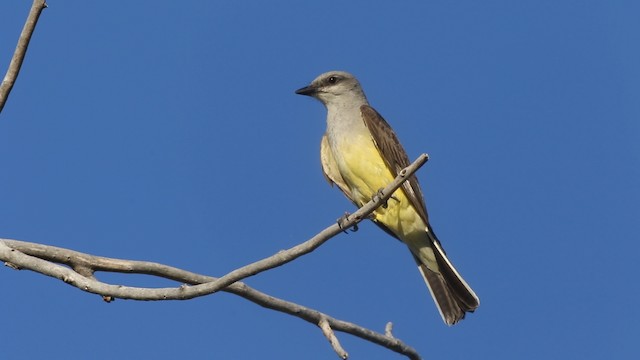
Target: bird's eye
[333,80]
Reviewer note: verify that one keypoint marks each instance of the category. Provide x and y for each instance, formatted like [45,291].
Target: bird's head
[335,87]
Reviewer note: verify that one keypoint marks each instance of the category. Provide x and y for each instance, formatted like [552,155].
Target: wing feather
[394,156]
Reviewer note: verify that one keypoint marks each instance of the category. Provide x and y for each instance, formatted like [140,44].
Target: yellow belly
[365,172]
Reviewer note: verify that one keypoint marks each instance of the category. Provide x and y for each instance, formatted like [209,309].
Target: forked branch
[80,268]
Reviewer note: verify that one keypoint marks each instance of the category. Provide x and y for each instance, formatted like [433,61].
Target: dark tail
[453,296]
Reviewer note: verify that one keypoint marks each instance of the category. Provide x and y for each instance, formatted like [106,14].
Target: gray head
[335,88]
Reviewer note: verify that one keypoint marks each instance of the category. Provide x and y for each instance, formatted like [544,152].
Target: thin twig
[21,51]
[333,339]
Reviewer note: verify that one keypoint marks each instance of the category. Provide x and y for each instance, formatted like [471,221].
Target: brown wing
[330,168]
[394,156]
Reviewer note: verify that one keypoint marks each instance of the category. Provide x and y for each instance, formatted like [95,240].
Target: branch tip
[12,265]
[388,330]
[333,339]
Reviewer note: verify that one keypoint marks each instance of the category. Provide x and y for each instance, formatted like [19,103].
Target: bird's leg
[344,218]
[379,195]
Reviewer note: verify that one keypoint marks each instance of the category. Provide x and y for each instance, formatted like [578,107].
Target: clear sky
[169,131]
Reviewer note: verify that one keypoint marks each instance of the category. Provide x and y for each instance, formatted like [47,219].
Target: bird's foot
[344,218]
[379,195]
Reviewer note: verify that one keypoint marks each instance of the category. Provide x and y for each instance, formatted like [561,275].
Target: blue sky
[170,132]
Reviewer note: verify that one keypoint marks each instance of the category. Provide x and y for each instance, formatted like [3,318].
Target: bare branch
[21,50]
[333,340]
[183,293]
[40,258]
[80,268]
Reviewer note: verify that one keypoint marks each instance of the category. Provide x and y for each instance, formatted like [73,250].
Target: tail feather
[452,295]
[465,296]
[447,306]
[451,302]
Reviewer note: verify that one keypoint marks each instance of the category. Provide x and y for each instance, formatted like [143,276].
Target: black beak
[307,90]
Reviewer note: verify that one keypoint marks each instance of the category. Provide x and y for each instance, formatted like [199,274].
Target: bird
[361,154]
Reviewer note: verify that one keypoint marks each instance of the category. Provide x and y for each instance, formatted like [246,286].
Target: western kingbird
[361,154]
